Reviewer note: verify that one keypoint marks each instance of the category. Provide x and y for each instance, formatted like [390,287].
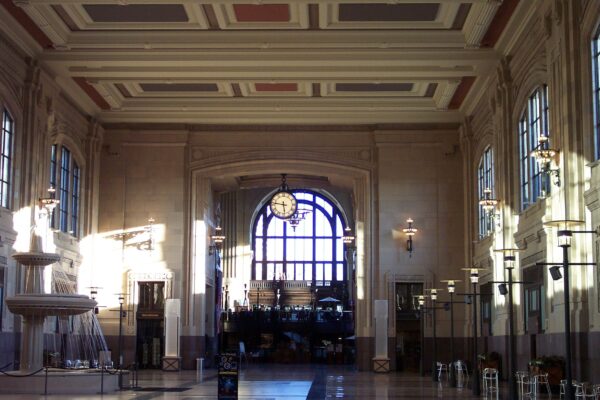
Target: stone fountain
[34,306]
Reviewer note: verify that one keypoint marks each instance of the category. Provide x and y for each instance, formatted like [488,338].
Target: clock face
[283,204]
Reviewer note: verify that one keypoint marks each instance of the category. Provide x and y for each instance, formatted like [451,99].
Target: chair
[490,380]
[596,392]
[584,391]
[542,379]
[243,354]
[441,368]
[563,382]
[523,382]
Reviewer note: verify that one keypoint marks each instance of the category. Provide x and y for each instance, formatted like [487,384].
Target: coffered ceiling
[263,62]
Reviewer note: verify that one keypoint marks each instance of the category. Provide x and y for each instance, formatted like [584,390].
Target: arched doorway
[299,299]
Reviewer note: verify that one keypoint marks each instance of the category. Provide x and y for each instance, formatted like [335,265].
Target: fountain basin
[41,304]
[60,381]
[36,258]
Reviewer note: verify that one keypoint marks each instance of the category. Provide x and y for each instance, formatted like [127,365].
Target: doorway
[408,326]
[150,324]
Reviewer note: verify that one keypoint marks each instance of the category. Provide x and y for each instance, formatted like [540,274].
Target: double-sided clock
[283,204]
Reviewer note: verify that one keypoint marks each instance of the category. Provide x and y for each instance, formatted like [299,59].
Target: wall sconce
[348,237]
[555,273]
[410,232]
[50,202]
[543,154]
[487,202]
[218,238]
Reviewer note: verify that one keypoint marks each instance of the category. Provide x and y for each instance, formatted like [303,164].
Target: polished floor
[281,382]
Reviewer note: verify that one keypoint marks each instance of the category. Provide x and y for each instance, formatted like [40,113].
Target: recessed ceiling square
[179,87]
[136,13]
[262,12]
[373,87]
[403,12]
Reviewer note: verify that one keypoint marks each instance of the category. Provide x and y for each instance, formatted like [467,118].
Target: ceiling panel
[265,62]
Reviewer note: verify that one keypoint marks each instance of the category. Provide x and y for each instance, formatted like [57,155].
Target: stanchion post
[102,379]
[46,383]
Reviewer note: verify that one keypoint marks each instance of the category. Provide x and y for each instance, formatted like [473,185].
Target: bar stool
[523,382]
[490,380]
[462,374]
[441,368]
[582,391]
[542,379]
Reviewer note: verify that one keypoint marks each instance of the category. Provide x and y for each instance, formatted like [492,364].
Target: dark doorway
[408,327]
[150,324]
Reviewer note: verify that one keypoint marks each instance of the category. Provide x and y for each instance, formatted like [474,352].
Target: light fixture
[433,293]
[297,217]
[487,202]
[564,238]
[50,202]
[421,300]
[348,238]
[565,230]
[503,289]
[544,155]
[217,240]
[150,231]
[410,232]
[473,274]
[555,273]
[451,284]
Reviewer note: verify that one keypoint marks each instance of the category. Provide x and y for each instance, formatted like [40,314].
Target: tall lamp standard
[433,295]
[565,234]
[120,348]
[421,303]
[451,290]
[509,265]
[474,277]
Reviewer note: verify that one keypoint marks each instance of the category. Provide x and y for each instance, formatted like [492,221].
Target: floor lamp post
[564,241]
[120,347]
[433,295]
[421,302]
[474,277]
[509,265]
[451,290]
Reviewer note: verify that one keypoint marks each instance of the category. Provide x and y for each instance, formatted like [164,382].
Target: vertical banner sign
[228,376]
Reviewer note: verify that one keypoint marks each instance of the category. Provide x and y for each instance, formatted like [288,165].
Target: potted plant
[490,360]
[554,366]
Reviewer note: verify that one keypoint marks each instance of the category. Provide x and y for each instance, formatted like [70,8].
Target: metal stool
[523,382]
[462,374]
[490,380]
[441,368]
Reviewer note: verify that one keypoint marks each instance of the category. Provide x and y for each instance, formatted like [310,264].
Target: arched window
[6,156]
[313,251]
[596,91]
[65,178]
[533,124]
[485,180]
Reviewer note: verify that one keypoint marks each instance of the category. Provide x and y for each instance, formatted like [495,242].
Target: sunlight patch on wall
[360,261]
[199,257]
[23,227]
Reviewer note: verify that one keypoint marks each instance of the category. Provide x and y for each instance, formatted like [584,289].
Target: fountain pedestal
[34,306]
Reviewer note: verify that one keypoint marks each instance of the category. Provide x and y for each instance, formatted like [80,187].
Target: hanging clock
[283,203]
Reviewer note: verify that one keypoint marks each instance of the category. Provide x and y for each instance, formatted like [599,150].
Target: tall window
[596,89]
[6,154]
[65,178]
[485,179]
[314,251]
[533,124]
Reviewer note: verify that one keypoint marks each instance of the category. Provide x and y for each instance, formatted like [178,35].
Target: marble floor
[281,382]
